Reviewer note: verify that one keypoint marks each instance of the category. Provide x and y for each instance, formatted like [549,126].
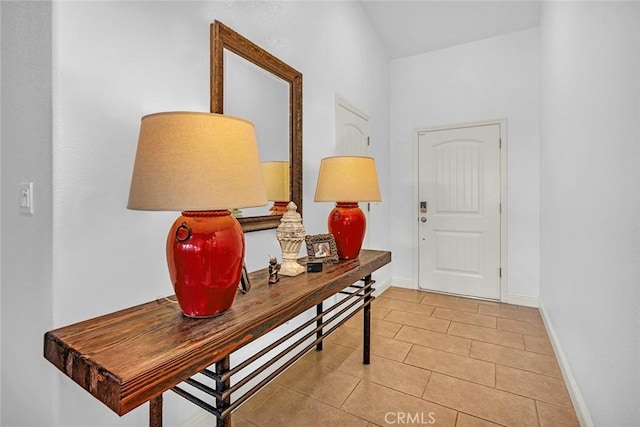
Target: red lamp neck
[347,204]
[224,212]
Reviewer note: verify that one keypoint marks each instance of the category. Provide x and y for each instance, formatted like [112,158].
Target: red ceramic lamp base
[347,223]
[205,253]
[278,208]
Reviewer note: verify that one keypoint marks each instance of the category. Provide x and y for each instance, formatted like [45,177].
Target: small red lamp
[276,181]
[347,180]
[203,165]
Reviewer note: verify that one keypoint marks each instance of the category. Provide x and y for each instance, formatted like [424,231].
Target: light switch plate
[25,198]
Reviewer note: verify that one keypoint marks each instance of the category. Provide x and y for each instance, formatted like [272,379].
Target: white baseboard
[404,283]
[381,286]
[200,419]
[572,386]
[525,300]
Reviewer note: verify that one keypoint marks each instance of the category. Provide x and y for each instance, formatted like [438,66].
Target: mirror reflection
[276,181]
[255,94]
[251,83]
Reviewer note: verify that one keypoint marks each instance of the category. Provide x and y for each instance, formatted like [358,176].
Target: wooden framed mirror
[267,92]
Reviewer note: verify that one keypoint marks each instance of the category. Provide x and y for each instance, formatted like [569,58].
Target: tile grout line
[559,405]
[424,390]
[456,420]
[469,356]
[535,404]
[458,411]
[517,308]
[481,418]
[520,369]
[466,338]
[489,342]
[448,327]
[342,408]
[433,348]
[552,356]
[495,375]
[493,388]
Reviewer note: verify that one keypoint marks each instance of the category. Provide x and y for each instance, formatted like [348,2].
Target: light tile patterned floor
[436,360]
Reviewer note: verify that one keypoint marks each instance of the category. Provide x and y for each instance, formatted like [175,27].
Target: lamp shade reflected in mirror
[276,181]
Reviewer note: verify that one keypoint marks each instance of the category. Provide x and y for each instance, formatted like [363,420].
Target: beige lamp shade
[276,180]
[348,179]
[194,162]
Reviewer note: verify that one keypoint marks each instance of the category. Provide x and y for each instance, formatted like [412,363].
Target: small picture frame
[245,283]
[322,248]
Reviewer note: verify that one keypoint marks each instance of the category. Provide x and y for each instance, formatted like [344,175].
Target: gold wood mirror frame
[223,37]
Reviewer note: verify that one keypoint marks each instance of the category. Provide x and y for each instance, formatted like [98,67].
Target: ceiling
[409,28]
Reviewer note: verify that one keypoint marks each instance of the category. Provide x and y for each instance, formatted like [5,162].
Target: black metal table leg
[223,366]
[367,322]
[319,324]
[155,411]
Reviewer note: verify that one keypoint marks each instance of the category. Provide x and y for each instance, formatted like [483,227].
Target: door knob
[423,219]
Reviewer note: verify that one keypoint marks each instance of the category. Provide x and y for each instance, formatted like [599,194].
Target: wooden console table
[132,356]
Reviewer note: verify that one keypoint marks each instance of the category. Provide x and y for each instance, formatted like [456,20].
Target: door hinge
[499,143]
[500,271]
[368,140]
[500,206]
[368,207]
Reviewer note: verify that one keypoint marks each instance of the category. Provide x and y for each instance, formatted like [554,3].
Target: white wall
[488,79]
[590,201]
[26,240]
[0,213]
[113,62]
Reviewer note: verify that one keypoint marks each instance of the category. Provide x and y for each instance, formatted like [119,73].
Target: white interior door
[459,234]
[352,139]
[352,131]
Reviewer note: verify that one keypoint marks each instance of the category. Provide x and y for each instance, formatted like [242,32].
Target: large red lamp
[347,180]
[276,181]
[203,165]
